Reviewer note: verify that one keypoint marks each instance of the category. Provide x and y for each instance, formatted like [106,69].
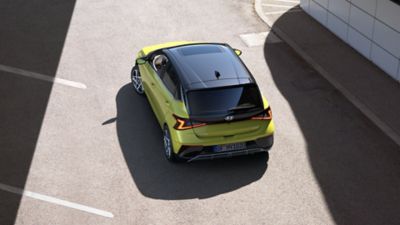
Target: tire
[136,80]
[168,149]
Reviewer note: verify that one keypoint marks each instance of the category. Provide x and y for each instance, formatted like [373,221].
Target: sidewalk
[370,89]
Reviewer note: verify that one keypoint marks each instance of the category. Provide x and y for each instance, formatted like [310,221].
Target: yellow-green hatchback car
[205,99]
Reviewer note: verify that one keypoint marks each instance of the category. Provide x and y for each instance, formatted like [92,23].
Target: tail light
[266,115]
[185,124]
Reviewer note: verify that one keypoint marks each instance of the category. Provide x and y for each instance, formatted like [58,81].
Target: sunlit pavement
[93,154]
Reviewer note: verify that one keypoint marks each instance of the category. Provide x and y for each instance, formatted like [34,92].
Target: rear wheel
[168,149]
[137,80]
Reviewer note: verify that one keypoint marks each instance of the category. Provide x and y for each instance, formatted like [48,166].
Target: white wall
[372,27]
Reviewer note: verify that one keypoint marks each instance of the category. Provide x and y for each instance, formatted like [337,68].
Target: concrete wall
[372,27]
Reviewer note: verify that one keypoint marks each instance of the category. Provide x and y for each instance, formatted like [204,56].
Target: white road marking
[280,6]
[56,201]
[39,76]
[279,12]
[257,39]
[289,1]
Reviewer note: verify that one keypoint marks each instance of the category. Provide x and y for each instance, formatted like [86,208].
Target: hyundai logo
[229,118]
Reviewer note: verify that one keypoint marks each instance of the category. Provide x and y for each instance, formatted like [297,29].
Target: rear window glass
[224,101]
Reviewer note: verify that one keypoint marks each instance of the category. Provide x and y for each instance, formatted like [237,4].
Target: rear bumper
[204,153]
[227,154]
[181,138]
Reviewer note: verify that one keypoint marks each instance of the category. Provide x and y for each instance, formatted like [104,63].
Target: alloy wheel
[167,144]
[137,80]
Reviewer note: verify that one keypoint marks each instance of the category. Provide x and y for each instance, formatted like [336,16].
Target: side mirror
[237,51]
[140,61]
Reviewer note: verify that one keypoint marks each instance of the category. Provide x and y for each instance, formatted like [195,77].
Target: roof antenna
[217,75]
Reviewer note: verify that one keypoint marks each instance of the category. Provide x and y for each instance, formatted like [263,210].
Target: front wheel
[168,149]
[137,80]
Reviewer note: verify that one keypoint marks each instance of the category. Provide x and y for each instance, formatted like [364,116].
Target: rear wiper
[242,107]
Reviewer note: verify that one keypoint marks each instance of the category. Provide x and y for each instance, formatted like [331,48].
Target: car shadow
[357,167]
[32,36]
[140,138]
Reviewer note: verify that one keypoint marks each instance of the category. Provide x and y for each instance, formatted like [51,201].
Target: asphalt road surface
[85,149]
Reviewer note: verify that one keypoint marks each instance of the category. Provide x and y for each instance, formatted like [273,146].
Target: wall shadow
[140,138]
[356,165]
[32,35]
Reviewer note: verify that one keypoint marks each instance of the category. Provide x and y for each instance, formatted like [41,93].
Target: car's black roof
[207,66]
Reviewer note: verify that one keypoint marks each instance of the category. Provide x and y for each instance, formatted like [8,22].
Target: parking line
[290,1]
[39,76]
[56,201]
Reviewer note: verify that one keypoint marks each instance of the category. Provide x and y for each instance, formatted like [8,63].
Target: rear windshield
[224,101]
